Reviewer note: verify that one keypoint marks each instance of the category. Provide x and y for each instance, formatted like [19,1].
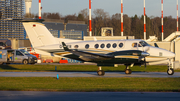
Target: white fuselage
[105,47]
[46,44]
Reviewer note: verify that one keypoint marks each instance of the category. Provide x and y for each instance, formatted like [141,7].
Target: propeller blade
[145,62]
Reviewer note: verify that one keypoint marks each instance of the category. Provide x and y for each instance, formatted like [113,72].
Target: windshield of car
[25,52]
[143,43]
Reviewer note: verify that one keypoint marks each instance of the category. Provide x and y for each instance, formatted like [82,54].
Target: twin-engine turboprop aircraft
[104,53]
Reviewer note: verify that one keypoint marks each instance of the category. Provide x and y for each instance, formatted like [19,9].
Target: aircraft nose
[168,54]
[171,54]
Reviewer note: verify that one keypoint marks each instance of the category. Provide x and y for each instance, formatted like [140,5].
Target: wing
[87,56]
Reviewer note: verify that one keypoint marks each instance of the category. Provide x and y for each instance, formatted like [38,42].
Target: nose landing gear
[170,70]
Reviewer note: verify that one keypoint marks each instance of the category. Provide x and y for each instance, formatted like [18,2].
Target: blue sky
[131,7]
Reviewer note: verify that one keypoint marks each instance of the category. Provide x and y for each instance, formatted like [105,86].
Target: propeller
[145,62]
[144,55]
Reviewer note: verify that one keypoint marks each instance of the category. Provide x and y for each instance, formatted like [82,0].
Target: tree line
[133,26]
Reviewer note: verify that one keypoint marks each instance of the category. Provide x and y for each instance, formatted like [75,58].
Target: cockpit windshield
[143,43]
[25,52]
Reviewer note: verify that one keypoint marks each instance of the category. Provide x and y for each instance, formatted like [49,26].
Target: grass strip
[61,68]
[90,84]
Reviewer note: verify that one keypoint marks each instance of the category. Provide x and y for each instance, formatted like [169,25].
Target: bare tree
[51,16]
[84,13]
[101,20]
[116,23]
[71,17]
[30,15]
[99,13]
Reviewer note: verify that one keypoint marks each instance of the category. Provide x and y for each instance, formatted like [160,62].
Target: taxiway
[88,74]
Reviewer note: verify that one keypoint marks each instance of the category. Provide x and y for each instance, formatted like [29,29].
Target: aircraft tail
[38,34]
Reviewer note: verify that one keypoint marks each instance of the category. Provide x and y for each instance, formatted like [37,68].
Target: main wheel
[128,71]
[25,62]
[170,71]
[101,72]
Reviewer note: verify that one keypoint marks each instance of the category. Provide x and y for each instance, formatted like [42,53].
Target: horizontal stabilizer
[25,20]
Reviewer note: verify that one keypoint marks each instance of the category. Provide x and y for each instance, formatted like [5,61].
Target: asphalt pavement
[88,74]
[88,96]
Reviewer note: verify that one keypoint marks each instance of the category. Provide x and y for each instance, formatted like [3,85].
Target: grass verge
[85,84]
[35,68]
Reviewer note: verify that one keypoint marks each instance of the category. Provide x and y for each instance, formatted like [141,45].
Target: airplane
[102,52]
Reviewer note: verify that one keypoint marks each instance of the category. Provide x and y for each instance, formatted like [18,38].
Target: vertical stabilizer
[38,34]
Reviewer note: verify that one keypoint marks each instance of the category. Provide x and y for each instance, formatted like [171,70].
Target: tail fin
[38,34]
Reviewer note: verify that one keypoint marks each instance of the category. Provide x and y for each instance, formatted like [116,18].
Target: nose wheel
[170,71]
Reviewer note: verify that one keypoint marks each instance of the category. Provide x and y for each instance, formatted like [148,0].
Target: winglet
[65,47]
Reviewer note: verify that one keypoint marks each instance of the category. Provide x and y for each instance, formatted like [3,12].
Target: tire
[25,62]
[170,71]
[100,72]
[128,71]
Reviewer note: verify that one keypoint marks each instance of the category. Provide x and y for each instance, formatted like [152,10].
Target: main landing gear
[127,70]
[100,72]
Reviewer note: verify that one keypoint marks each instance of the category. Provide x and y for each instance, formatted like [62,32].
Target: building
[70,29]
[11,9]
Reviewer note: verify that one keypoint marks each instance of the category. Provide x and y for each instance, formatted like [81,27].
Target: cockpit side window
[143,43]
[139,45]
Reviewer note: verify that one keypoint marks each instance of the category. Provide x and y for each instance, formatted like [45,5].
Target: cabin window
[87,46]
[121,45]
[114,45]
[96,46]
[134,45]
[76,46]
[108,45]
[102,45]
